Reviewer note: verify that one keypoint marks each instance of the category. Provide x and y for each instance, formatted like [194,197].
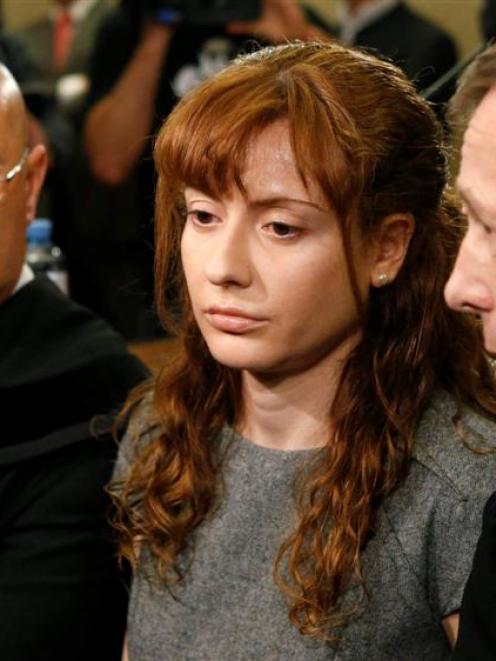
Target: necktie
[62,39]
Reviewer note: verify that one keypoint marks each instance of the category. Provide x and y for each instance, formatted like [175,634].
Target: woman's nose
[229,261]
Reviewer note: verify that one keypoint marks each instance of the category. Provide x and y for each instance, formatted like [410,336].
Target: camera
[204,12]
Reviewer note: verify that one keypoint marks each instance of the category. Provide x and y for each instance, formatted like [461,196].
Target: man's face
[19,196]
[472,285]
[13,220]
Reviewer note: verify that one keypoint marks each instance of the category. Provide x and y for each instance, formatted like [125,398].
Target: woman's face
[266,272]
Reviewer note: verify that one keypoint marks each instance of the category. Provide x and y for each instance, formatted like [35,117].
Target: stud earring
[382,279]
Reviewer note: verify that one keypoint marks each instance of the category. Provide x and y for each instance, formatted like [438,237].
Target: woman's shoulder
[456,447]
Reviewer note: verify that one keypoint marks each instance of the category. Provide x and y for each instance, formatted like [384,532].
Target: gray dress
[415,566]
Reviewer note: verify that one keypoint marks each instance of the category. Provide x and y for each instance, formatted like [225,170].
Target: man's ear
[35,175]
[391,242]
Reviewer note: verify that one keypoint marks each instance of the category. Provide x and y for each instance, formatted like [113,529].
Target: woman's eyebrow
[280,200]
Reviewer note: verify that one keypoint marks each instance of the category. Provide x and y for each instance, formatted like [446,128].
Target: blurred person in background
[392,29]
[141,67]
[59,47]
[57,51]
[61,594]
[14,57]
[472,289]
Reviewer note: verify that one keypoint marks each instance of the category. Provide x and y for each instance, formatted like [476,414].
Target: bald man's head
[19,193]
[12,109]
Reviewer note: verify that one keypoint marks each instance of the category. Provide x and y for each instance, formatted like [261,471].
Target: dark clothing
[477,637]
[61,594]
[63,364]
[61,597]
[422,49]
[489,19]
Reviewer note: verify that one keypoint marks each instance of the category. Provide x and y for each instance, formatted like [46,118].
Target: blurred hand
[281,20]
[154,30]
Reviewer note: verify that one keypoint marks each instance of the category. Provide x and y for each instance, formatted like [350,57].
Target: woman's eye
[282,229]
[201,217]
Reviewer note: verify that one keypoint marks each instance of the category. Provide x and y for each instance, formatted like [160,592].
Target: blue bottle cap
[40,231]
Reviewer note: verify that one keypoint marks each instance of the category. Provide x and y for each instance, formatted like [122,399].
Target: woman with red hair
[301,482]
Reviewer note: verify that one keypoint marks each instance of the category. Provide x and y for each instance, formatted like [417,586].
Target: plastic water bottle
[43,257]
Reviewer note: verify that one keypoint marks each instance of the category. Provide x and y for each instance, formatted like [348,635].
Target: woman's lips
[233,321]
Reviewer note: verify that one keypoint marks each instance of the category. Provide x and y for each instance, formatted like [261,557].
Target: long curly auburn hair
[361,132]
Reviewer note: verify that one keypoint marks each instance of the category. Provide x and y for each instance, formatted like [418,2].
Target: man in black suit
[61,595]
[392,29]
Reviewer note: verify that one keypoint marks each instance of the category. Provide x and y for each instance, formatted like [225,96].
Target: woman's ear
[391,242]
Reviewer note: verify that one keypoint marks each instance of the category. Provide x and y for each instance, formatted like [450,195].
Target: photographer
[142,65]
[137,82]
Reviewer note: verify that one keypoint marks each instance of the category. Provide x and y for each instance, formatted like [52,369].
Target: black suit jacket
[62,596]
[477,635]
[423,50]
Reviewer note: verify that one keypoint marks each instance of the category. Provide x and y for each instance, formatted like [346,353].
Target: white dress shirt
[77,10]
[26,276]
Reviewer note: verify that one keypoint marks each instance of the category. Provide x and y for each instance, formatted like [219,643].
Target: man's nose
[229,262]
[466,289]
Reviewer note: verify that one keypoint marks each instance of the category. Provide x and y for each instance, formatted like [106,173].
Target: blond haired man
[472,288]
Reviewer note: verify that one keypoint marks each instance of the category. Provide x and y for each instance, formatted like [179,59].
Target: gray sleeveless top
[415,566]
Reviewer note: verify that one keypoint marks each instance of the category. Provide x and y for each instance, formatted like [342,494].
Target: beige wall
[19,12]
[460,17]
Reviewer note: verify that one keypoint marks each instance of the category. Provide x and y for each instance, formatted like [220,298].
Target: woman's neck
[292,411]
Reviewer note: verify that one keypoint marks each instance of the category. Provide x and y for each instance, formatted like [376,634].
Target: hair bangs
[205,141]
[325,140]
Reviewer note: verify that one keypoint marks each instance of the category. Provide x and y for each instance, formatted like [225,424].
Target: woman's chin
[238,357]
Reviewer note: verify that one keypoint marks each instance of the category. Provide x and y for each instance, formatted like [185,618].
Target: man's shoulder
[60,364]
[57,334]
